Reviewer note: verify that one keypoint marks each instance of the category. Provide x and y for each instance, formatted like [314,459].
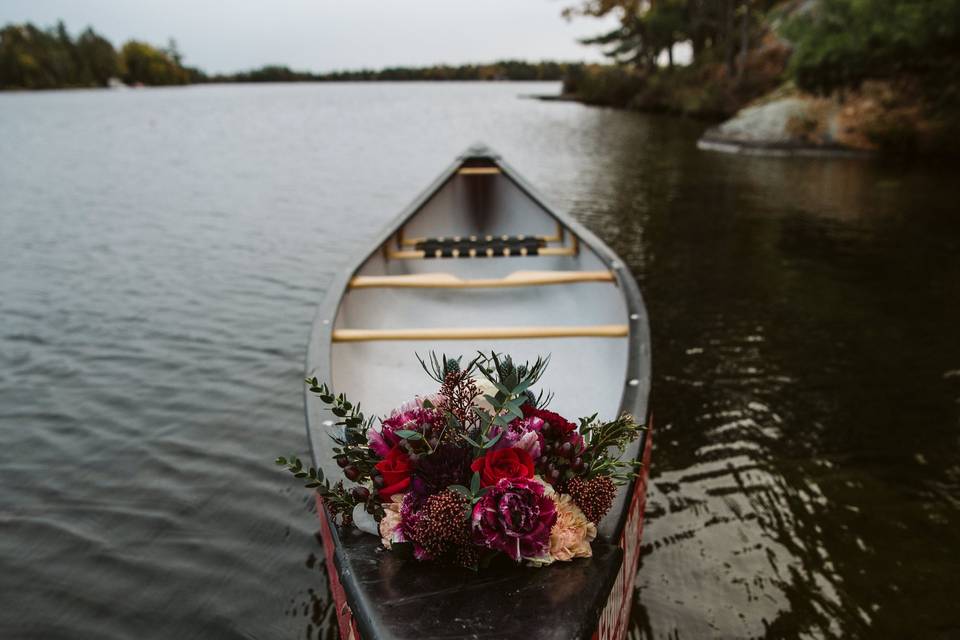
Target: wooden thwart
[482,333]
[478,171]
[450,281]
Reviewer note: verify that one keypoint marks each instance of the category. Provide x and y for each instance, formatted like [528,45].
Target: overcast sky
[324,35]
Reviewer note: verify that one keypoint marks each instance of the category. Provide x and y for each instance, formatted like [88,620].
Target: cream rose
[486,388]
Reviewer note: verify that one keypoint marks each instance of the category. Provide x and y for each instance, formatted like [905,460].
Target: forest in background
[743,48]
[36,58]
[891,66]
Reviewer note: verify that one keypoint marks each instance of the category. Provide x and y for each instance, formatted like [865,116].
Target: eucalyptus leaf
[492,441]
[513,407]
[462,490]
[475,483]
[523,386]
[453,421]
[501,387]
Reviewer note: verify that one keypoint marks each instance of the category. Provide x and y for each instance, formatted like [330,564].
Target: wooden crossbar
[478,171]
[482,333]
[450,281]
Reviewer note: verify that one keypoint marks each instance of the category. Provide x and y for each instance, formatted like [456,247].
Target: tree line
[35,58]
[835,43]
[501,70]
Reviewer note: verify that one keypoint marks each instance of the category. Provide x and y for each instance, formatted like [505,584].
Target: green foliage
[148,65]
[438,367]
[512,381]
[338,500]
[98,59]
[615,86]
[32,58]
[840,43]
[473,493]
[648,29]
[502,70]
[605,443]
[352,445]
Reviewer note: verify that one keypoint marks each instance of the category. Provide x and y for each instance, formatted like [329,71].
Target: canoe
[480,261]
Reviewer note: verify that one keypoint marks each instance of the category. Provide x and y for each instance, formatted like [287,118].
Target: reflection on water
[805,351]
[161,255]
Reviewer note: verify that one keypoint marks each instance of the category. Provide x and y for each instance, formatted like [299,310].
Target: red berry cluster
[560,454]
[441,522]
[594,496]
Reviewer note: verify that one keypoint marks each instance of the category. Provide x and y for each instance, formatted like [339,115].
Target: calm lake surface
[161,256]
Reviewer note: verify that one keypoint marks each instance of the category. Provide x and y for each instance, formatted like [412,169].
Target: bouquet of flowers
[479,469]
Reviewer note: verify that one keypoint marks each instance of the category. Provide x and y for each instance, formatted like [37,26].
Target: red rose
[505,463]
[557,420]
[396,469]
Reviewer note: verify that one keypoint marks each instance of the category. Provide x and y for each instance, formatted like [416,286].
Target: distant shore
[36,58]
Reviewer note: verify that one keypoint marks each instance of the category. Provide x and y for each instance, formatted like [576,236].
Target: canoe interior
[386,597]
[586,374]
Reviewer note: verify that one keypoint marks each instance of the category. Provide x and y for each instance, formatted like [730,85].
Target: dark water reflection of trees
[807,380]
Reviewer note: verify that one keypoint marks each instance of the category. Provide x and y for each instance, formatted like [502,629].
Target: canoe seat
[450,281]
[480,246]
[482,333]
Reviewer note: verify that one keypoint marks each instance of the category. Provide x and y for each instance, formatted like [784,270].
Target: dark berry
[360,494]
[351,472]
[342,461]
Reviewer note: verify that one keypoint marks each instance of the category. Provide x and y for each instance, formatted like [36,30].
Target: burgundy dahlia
[447,465]
[515,516]
[411,416]
[555,420]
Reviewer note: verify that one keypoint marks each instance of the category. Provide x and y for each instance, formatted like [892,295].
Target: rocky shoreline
[788,126]
[879,117]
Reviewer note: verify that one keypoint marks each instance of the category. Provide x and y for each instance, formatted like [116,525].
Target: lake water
[162,253]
